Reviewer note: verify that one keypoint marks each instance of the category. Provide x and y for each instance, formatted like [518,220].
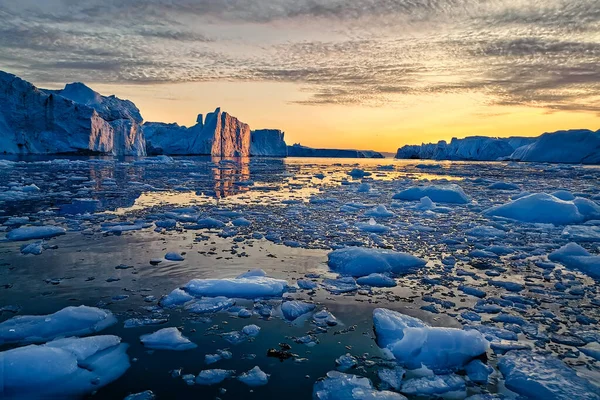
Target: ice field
[324,279]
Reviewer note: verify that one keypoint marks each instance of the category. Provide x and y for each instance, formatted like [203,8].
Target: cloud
[367,52]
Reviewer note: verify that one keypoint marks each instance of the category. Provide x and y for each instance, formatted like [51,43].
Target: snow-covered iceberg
[338,385]
[539,376]
[358,261]
[73,120]
[267,143]
[219,135]
[450,193]
[64,368]
[70,321]
[543,208]
[414,344]
[245,287]
[572,146]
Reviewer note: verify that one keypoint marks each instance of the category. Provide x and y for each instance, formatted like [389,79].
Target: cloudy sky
[333,73]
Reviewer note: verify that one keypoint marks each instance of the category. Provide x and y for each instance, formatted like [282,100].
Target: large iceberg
[219,135]
[357,261]
[267,143]
[572,146]
[414,344]
[70,321]
[539,376]
[39,121]
[64,368]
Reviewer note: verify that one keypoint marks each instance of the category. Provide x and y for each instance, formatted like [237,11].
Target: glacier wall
[298,150]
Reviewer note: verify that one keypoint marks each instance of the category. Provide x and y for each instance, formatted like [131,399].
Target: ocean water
[300,210]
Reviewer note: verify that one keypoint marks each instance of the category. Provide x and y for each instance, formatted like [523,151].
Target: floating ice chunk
[437,385]
[451,193]
[167,339]
[35,248]
[241,222]
[539,208]
[137,322]
[563,195]
[379,212]
[425,203]
[345,362]
[246,288]
[372,226]
[340,285]
[251,330]
[574,256]
[473,291]
[376,280]
[357,261]
[306,284]
[175,298]
[13,221]
[70,321]
[504,186]
[588,208]
[295,309]
[209,305]
[358,173]
[337,386]
[35,232]
[244,313]
[252,273]
[62,369]
[213,376]
[392,377]
[172,256]
[582,233]
[166,223]
[254,377]
[145,395]
[478,372]
[592,350]
[324,318]
[209,223]
[414,343]
[234,337]
[540,376]
[485,232]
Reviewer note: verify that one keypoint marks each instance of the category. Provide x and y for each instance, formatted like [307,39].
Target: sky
[366,74]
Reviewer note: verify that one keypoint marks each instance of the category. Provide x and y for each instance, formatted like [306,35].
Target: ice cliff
[220,135]
[298,150]
[573,146]
[268,143]
[38,121]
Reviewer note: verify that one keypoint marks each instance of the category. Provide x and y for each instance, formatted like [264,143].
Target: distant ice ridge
[415,344]
[297,150]
[571,146]
[64,368]
[72,120]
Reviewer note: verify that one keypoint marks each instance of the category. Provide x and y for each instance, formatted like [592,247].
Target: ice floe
[356,261]
[167,339]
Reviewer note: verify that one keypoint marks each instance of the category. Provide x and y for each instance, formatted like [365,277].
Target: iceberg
[539,208]
[167,339]
[414,344]
[338,385]
[450,193]
[35,232]
[574,256]
[437,385]
[571,146]
[40,121]
[255,377]
[70,321]
[358,261]
[213,376]
[267,143]
[245,288]
[295,309]
[540,376]
[63,368]
[219,135]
